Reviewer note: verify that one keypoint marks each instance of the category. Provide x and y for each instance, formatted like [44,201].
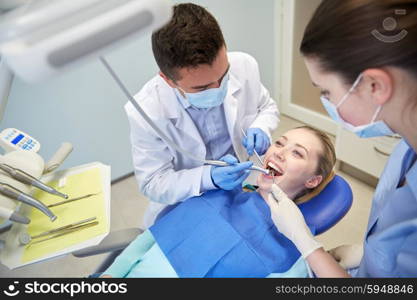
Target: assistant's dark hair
[350,36]
[191,38]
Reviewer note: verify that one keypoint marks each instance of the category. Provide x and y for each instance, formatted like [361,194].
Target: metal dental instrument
[144,115]
[29,179]
[159,131]
[18,195]
[71,230]
[256,153]
[220,163]
[25,238]
[72,199]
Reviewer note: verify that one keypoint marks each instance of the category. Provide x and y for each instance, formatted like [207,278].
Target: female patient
[230,233]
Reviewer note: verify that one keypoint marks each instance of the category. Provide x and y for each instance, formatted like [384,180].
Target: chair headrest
[328,207]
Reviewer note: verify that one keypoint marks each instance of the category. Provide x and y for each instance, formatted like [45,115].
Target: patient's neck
[265,193]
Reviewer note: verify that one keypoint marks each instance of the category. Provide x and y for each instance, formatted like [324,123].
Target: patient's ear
[313,181]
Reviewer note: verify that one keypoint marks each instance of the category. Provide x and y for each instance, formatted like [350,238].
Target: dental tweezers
[25,238]
[71,230]
[72,199]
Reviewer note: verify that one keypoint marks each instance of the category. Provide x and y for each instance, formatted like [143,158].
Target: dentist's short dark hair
[191,38]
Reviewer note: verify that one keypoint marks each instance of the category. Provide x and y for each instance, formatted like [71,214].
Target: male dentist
[201,99]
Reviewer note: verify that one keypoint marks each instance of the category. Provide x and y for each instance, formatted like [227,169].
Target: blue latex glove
[257,140]
[227,178]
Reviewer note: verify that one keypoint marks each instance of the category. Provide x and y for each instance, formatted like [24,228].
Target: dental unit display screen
[17,139]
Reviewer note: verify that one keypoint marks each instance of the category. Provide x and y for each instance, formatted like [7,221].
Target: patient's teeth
[276,168]
[273,166]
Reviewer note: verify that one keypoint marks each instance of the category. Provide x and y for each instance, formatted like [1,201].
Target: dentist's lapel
[178,116]
[231,110]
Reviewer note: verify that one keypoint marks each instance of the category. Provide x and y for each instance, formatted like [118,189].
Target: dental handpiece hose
[159,131]
[13,193]
[29,179]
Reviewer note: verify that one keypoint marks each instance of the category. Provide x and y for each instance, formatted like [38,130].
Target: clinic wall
[85,107]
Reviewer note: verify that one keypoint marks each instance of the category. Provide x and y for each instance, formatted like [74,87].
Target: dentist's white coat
[166,176]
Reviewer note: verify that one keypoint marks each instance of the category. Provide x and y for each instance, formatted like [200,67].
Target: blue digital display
[17,139]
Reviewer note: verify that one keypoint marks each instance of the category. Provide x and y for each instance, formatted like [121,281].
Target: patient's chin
[264,182]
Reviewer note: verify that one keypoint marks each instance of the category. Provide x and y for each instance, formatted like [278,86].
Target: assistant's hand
[227,178]
[257,140]
[348,256]
[289,220]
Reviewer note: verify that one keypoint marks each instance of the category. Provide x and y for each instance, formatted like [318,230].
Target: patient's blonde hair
[325,164]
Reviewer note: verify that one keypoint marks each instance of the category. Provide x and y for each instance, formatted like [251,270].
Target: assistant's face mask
[372,129]
[208,98]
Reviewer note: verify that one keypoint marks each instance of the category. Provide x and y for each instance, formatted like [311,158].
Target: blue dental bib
[223,234]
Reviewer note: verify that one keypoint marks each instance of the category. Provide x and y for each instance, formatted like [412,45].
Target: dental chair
[326,208]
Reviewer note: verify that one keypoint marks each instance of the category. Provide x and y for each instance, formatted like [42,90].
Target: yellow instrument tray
[92,178]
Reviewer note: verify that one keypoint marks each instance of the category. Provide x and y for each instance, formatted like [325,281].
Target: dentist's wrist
[207,182]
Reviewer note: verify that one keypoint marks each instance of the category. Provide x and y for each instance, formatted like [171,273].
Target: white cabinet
[368,155]
[298,98]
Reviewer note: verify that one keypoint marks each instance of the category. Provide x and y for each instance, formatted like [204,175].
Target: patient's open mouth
[274,170]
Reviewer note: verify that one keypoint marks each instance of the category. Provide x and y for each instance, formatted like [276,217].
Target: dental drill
[28,179]
[9,191]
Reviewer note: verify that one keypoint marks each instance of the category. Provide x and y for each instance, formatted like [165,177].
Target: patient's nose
[280,154]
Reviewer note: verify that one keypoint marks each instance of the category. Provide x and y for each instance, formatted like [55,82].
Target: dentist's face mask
[208,98]
[373,129]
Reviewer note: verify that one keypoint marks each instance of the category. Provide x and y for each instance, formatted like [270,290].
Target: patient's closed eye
[298,154]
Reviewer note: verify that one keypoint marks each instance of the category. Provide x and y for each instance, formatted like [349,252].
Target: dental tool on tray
[25,238]
[29,179]
[72,200]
